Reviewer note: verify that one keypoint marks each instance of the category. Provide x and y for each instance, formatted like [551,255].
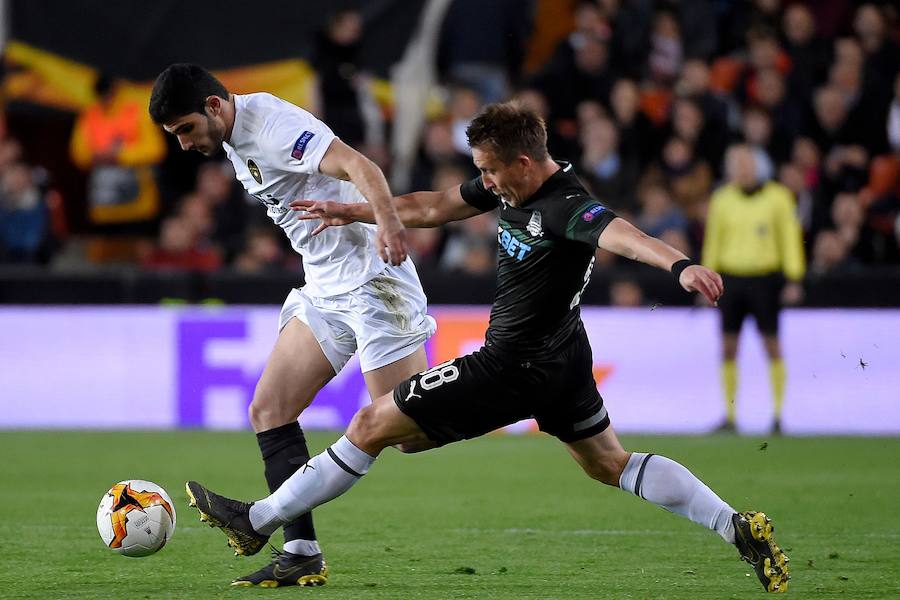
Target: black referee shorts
[488,389]
[758,296]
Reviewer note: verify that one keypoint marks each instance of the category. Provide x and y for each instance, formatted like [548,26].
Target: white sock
[669,485]
[324,477]
[302,547]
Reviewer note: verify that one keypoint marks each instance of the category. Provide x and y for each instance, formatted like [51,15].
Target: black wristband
[679,266]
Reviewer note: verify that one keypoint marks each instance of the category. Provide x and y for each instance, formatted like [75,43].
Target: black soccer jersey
[546,255]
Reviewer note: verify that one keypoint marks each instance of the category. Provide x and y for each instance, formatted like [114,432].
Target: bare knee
[606,468]
[364,428]
[267,412]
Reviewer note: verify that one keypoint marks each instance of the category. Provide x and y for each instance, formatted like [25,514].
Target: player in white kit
[361,292]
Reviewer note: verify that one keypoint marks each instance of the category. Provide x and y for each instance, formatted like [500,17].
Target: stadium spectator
[809,53]
[830,254]
[753,238]
[787,111]
[580,71]
[881,51]
[179,249]
[464,104]
[610,174]
[229,207]
[638,137]
[343,85]
[629,37]
[437,149]
[117,144]
[687,177]
[756,129]
[666,49]
[262,252]
[23,215]
[659,213]
[492,65]
[707,140]
[694,83]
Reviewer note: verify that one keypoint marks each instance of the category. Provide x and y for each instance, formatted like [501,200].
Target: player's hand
[390,239]
[792,294]
[697,278]
[328,212]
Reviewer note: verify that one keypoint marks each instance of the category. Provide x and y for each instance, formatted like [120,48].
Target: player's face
[504,179]
[203,133]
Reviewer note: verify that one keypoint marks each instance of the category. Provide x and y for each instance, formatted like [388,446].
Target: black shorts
[758,296]
[488,389]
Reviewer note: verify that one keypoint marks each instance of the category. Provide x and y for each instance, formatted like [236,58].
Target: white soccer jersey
[276,149]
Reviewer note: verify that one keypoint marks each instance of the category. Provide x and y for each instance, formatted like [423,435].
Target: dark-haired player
[353,300]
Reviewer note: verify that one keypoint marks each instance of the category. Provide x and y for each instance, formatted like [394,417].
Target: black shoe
[231,516]
[287,569]
[726,426]
[753,536]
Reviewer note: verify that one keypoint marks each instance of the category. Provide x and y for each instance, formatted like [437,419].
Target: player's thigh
[467,397]
[295,372]
[601,456]
[390,321]
[384,379]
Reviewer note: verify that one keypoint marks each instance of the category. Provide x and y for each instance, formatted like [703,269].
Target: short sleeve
[296,141]
[475,194]
[578,217]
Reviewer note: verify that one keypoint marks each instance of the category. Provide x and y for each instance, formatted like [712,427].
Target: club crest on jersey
[589,215]
[300,144]
[254,170]
[535,227]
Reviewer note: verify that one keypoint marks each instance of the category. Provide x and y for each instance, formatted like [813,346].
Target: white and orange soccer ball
[136,518]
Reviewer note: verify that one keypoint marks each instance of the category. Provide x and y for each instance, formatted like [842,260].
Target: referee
[753,238]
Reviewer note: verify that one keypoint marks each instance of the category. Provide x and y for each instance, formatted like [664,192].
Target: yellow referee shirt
[754,234]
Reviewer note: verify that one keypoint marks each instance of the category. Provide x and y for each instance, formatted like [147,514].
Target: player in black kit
[536,361]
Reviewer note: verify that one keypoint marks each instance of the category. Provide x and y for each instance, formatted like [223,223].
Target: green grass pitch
[499,517]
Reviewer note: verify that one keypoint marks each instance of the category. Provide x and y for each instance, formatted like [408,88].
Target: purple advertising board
[658,371]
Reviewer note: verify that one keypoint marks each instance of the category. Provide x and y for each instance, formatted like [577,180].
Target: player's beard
[216,135]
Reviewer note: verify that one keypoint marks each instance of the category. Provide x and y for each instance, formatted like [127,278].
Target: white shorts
[384,319]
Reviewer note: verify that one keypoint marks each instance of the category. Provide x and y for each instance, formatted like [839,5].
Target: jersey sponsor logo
[300,144]
[515,248]
[254,170]
[589,214]
[535,227]
[271,202]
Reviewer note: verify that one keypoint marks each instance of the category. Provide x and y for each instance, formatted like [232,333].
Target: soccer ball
[136,518]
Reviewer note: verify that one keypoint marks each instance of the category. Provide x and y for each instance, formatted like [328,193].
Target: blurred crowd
[643,97]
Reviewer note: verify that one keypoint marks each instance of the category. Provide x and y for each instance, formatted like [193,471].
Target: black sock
[284,451]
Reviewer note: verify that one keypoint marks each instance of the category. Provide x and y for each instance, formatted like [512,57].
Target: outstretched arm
[418,209]
[624,239]
[343,162]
